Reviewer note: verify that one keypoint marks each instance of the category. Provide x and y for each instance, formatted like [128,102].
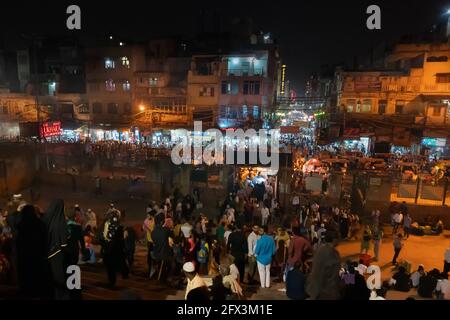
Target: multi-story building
[233,89]
[405,104]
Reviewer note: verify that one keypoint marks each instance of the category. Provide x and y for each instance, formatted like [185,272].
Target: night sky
[310,33]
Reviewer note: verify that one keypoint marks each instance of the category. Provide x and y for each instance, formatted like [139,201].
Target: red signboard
[351,133]
[51,129]
[289,130]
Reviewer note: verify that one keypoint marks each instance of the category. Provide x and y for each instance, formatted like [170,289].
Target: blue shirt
[265,249]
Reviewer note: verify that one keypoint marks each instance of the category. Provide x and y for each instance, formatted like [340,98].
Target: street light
[141,107]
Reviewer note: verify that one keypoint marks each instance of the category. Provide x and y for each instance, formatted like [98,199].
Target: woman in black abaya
[31,247]
[55,222]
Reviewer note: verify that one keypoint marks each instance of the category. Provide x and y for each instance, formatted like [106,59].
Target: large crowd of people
[252,241]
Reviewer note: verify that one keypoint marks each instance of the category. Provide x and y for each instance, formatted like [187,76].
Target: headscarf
[55,222]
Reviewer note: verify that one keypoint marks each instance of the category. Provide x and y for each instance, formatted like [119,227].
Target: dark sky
[310,33]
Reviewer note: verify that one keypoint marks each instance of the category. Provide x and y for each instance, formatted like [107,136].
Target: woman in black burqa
[31,248]
[55,222]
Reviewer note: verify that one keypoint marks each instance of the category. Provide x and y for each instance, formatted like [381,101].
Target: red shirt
[298,246]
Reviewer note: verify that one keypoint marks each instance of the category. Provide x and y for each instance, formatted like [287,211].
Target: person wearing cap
[194,281]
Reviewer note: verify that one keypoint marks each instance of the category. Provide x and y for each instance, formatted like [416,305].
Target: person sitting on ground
[229,281]
[427,284]
[218,291]
[416,275]
[400,280]
[196,289]
[356,289]
[296,282]
[443,287]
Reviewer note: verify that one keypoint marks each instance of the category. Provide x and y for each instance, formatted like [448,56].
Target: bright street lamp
[141,107]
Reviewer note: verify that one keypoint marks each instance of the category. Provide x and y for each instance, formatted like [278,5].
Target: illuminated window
[112,108]
[255,112]
[110,85]
[126,85]
[206,92]
[367,105]
[109,63]
[351,105]
[153,81]
[125,62]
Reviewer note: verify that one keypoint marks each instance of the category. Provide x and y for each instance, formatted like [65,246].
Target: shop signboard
[351,133]
[367,85]
[50,129]
[289,130]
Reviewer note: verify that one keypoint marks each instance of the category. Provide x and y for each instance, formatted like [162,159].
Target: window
[126,85]
[351,105]
[153,82]
[382,106]
[399,104]
[443,78]
[230,87]
[110,85]
[251,87]
[437,59]
[436,111]
[255,112]
[109,63]
[125,62]
[244,111]
[112,108]
[206,92]
[127,108]
[367,105]
[97,107]
[5,109]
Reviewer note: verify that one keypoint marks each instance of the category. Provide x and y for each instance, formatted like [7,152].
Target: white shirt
[230,215]
[398,217]
[226,235]
[443,286]
[251,240]
[265,213]
[186,229]
[415,278]
[234,272]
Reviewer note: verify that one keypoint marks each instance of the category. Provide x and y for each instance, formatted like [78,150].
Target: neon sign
[51,129]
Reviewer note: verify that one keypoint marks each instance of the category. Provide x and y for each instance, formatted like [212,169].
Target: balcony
[252,72]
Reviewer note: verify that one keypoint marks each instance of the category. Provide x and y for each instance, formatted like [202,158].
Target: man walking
[251,239]
[377,236]
[398,245]
[406,225]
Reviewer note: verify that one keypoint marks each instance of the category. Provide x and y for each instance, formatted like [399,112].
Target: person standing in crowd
[162,251]
[264,251]
[377,237]
[447,260]
[32,252]
[398,245]
[113,248]
[397,220]
[148,226]
[252,238]
[406,225]
[324,282]
[238,248]
[57,230]
[265,214]
[91,220]
[203,256]
[365,241]
[298,248]
[75,242]
[130,246]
